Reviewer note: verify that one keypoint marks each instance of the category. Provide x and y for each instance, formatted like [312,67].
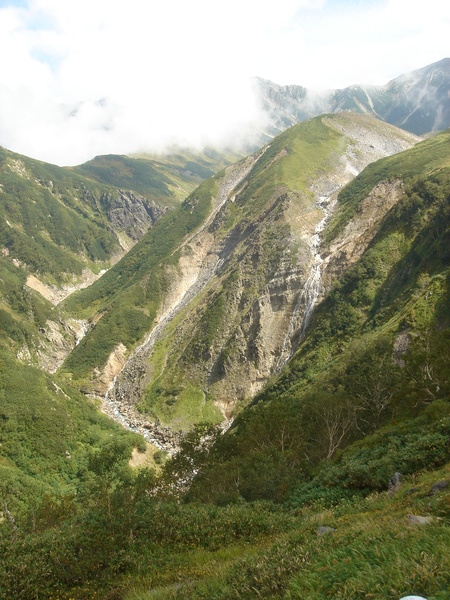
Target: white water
[309,294]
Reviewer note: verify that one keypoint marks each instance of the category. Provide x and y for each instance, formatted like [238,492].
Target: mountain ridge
[416,101]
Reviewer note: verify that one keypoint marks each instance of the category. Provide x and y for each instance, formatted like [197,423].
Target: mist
[78,79]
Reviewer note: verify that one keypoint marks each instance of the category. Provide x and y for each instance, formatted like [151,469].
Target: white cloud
[93,76]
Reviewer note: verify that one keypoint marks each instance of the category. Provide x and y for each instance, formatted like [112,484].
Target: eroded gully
[127,387]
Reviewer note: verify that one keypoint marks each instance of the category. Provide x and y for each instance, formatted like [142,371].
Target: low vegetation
[119,540]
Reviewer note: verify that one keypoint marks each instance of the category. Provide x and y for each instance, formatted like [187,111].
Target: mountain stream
[309,294]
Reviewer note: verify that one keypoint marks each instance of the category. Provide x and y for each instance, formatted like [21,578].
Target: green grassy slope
[55,222]
[48,431]
[375,356]
[124,544]
[167,178]
[365,395]
[51,220]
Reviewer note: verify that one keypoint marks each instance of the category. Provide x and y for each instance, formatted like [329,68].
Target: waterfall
[309,294]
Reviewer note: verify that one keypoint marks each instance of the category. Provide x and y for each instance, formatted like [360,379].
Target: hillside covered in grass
[51,220]
[167,178]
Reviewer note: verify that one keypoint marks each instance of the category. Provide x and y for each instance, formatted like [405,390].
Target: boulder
[438,487]
[324,530]
[419,520]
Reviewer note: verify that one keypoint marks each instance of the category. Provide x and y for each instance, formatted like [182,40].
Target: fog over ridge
[92,77]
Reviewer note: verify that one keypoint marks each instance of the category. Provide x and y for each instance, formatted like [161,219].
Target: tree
[332,416]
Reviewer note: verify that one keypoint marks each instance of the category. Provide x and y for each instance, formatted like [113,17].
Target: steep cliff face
[258,258]
[132,214]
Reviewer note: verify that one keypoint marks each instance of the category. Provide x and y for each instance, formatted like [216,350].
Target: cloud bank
[92,77]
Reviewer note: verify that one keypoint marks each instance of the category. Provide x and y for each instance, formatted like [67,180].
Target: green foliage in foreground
[127,544]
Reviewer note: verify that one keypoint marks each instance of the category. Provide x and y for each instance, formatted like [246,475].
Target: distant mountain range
[418,101]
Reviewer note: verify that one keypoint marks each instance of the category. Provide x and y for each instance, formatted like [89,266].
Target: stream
[309,294]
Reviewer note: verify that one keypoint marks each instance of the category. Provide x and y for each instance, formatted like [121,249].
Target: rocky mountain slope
[371,372]
[416,101]
[224,301]
[61,228]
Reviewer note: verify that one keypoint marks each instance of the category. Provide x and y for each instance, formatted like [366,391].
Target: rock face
[421,521]
[132,214]
[247,281]
[57,340]
[438,487]
[349,246]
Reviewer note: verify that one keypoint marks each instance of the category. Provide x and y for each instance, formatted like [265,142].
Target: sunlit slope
[51,220]
[166,178]
[240,242]
[373,365]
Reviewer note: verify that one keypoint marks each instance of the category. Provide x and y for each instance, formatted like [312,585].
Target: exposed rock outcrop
[57,339]
[131,213]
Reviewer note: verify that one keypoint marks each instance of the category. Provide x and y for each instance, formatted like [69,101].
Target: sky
[79,78]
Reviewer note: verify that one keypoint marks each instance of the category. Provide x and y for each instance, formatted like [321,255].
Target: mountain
[359,398]
[300,298]
[333,482]
[208,301]
[61,228]
[167,178]
[416,101]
